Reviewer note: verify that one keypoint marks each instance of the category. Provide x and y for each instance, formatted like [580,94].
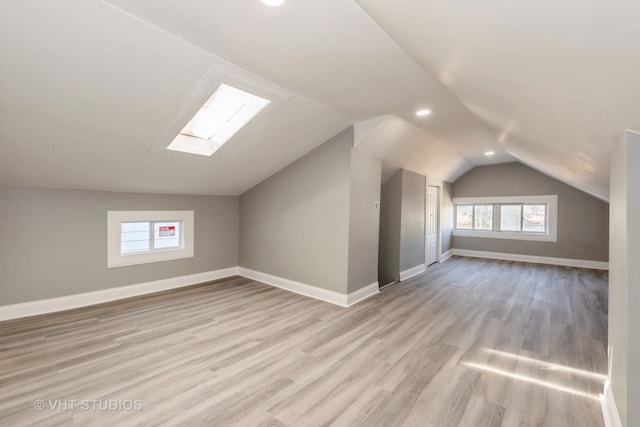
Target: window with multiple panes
[482,217]
[138,237]
[474,217]
[147,236]
[524,218]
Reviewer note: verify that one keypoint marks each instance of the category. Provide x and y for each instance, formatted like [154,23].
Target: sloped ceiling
[556,81]
[87,89]
[403,145]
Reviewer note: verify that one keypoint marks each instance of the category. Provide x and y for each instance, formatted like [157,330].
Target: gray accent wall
[446,216]
[390,218]
[295,224]
[412,223]
[583,220]
[364,220]
[314,222]
[54,242]
[402,230]
[624,279]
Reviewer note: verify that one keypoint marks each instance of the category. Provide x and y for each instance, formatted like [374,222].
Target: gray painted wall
[295,224]
[364,220]
[412,223]
[583,220]
[446,216]
[390,216]
[624,279]
[401,225]
[54,242]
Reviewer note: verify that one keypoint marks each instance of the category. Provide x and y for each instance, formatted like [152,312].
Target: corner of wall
[364,220]
[609,409]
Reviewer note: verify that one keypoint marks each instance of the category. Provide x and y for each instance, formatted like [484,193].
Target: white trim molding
[52,305]
[362,294]
[413,271]
[609,410]
[297,287]
[333,297]
[216,75]
[445,256]
[505,235]
[567,262]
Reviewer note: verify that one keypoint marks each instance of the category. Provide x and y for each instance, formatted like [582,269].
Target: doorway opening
[432,227]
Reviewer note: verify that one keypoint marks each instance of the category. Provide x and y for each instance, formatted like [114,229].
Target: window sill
[506,235]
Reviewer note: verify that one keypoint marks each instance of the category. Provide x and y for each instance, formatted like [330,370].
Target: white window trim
[115,218]
[212,79]
[552,217]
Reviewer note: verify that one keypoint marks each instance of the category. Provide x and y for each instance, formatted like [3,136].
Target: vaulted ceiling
[88,89]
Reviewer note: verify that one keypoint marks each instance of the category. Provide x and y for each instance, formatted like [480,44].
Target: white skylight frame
[216,77]
[224,114]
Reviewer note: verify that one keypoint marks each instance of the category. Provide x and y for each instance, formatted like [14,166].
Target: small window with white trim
[147,236]
[519,218]
[138,237]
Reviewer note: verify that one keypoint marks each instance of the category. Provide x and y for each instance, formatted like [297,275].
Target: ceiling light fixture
[423,113]
[273,3]
[489,153]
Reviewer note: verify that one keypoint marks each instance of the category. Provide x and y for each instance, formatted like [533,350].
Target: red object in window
[167,231]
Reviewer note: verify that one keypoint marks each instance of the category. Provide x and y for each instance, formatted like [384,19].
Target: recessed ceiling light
[489,153]
[422,113]
[273,3]
[227,111]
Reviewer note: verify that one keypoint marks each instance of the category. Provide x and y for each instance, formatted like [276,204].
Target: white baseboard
[333,297]
[567,262]
[413,271]
[297,287]
[52,305]
[445,256]
[609,409]
[362,294]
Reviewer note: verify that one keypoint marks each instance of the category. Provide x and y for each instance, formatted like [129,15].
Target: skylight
[227,111]
[273,3]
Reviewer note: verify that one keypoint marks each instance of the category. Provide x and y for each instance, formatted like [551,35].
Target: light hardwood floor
[468,343]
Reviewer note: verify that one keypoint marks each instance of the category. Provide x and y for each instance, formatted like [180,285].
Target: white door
[431,250]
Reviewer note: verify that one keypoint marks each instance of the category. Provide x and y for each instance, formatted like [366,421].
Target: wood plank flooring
[470,342]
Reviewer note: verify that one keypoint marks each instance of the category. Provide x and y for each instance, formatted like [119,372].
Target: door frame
[433,182]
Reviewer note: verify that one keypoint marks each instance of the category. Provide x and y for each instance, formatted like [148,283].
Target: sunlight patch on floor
[530,379]
[542,366]
[549,366]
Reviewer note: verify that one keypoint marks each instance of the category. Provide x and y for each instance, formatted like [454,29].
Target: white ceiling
[556,81]
[87,89]
[410,148]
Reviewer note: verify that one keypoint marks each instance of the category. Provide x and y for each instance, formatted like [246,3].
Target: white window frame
[115,218]
[551,216]
[213,78]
